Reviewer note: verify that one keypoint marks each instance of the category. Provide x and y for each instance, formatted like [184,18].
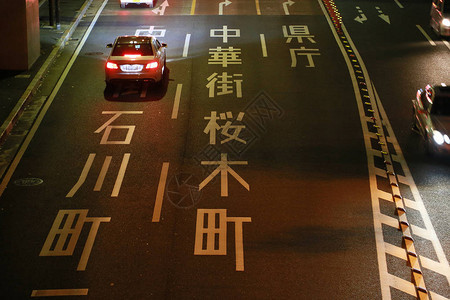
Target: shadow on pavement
[135,91]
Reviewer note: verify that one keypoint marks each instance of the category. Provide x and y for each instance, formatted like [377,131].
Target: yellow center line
[193,8]
[258,10]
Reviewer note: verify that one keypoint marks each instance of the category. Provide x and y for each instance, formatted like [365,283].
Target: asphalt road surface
[263,167]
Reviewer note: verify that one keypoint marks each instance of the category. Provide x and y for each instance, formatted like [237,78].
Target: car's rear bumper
[114,75]
[444,30]
[147,2]
[443,149]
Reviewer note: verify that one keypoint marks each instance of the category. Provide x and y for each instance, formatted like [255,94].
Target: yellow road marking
[193,8]
[258,10]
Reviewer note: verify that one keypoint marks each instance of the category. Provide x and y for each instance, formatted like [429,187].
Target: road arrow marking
[160,10]
[285,6]
[221,4]
[362,17]
[383,16]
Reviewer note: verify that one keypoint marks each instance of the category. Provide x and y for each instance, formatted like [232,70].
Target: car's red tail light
[111,65]
[152,65]
[131,55]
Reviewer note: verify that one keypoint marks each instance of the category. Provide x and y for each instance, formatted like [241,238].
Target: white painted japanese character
[225,56]
[224,84]
[299,32]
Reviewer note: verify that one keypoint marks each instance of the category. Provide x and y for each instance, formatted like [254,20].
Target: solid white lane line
[160,192]
[49,102]
[176,103]
[263,45]
[44,68]
[426,35]
[186,45]
[120,176]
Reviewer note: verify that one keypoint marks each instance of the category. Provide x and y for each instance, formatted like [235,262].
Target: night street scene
[225,149]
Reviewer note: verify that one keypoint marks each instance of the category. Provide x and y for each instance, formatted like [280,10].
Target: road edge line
[45,107]
[16,112]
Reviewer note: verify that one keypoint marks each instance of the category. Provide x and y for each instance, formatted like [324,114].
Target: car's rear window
[441,106]
[133,49]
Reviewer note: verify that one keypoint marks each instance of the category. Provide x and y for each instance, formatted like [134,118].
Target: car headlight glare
[446,22]
[446,139]
[438,137]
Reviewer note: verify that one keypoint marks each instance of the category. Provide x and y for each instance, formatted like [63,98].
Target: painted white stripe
[446,44]
[413,204]
[435,296]
[423,233]
[263,45]
[45,108]
[160,192]
[176,103]
[432,236]
[66,292]
[390,221]
[384,195]
[186,45]
[398,3]
[434,265]
[426,35]
[44,68]
[380,172]
[120,176]
[395,251]
[385,281]
[402,285]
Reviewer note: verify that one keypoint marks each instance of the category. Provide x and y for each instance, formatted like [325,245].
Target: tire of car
[122,5]
[109,85]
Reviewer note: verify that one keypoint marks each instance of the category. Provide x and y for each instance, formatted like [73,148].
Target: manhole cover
[182,190]
[94,53]
[28,181]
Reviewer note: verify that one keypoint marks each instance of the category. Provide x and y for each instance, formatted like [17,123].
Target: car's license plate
[131,68]
[137,1]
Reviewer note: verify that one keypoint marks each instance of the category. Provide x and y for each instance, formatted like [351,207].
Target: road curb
[16,112]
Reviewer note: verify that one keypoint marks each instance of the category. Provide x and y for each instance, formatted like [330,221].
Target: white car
[431,117]
[440,17]
[136,58]
[124,3]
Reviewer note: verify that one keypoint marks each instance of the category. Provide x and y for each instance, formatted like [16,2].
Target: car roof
[134,39]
